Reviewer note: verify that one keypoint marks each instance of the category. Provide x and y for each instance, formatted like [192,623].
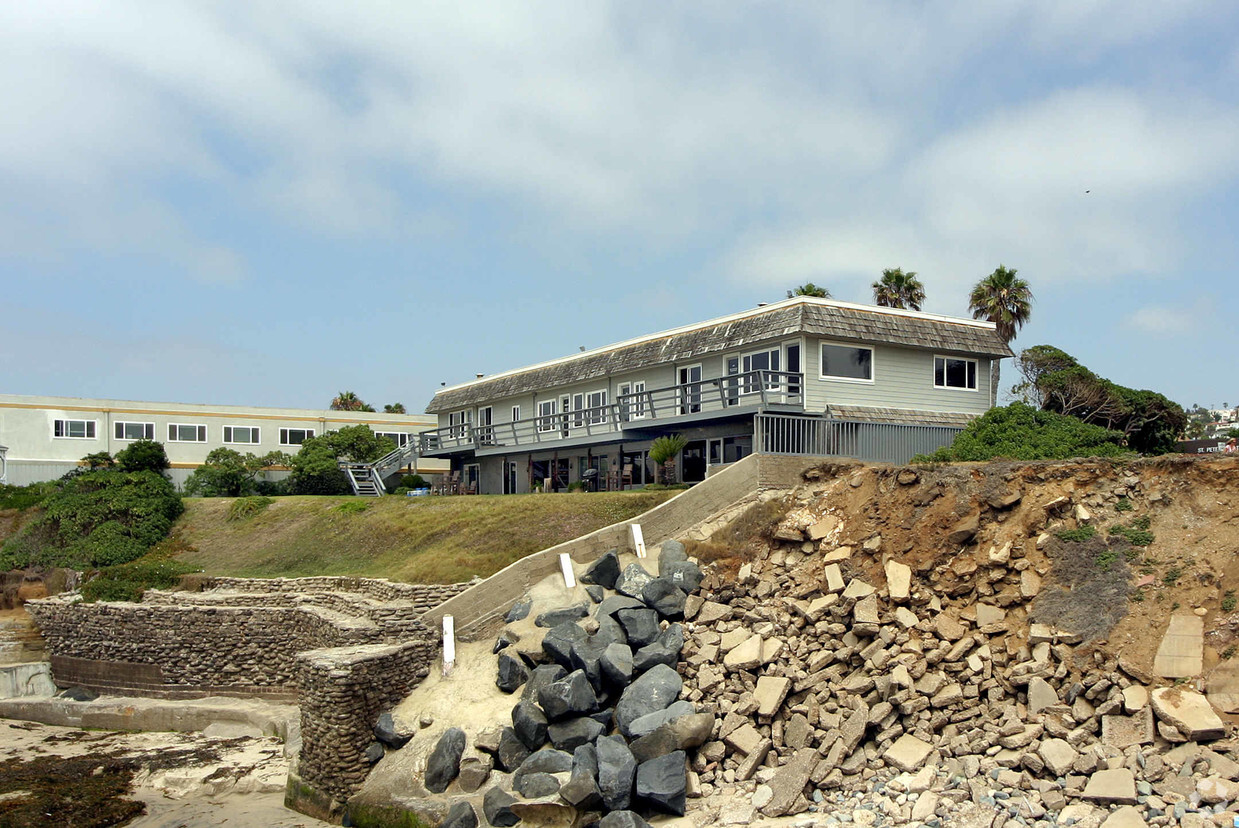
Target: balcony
[659,408]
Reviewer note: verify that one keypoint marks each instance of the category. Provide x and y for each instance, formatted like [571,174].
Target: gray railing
[826,437]
[629,411]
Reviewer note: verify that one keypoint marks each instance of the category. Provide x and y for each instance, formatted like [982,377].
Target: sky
[266,203]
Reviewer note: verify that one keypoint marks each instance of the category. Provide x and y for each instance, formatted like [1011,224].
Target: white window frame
[596,400]
[747,385]
[459,423]
[284,435]
[578,409]
[230,433]
[873,362]
[976,373]
[516,413]
[546,416]
[118,430]
[200,432]
[90,429]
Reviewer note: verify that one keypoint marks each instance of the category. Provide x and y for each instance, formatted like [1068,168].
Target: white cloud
[1163,320]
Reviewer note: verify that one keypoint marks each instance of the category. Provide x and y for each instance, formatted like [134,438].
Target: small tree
[663,452]
[143,455]
[228,473]
[316,466]
[809,289]
[897,289]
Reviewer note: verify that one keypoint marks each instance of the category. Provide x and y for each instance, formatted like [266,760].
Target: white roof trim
[722,320]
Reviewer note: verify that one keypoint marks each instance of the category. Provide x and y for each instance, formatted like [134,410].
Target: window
[848,363]
[516,413]
[546,415]
[632,400]
[950,372]
[399,438]
[74,429]
[241,434]
[763,361]
[459,422]
[182,433]
[295,436]
[134,431]
[578,405]
[596,402]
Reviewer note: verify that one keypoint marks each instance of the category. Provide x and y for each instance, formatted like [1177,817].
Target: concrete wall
[477,607]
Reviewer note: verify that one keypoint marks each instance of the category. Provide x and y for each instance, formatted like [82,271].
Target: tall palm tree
[897,289]
[809,289]
[347,401]
[394,408]
[1003,299]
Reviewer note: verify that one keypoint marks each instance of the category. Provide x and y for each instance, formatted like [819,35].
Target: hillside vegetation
[418,540]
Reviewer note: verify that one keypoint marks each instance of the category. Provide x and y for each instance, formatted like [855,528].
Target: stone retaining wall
[422,596]
[343,691]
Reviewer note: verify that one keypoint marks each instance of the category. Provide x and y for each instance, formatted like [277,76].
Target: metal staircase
[367,478]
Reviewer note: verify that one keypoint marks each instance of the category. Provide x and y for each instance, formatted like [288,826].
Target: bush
[143,455]
[25,497]
[413,481]
[316,469]
[98,518]
[1077,535]
[1021,432]
[244,508]
[228,473]
[128,581]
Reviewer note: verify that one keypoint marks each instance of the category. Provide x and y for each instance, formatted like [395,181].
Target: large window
[247,435]
[186,433]
[632,398]
[546,415]
[849,363]
[134,431]
[459,422]
[761,361]
[295,436]
[74,429]
[596,402]
[951,372]
[399,438]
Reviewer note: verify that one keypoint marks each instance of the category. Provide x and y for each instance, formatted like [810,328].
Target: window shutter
[227,434]
[201,434]
[171,432]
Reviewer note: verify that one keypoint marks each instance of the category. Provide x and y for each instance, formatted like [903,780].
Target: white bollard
[638,539]
[565,563]
[449,643]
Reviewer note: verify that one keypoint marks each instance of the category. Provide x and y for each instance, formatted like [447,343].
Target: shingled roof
[817,317]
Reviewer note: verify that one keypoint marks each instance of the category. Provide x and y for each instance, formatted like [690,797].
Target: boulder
[586,656]
[617,664]
[534,785]
[497,807]
[681,733]
[622,819]
[615,603]
[640,626]
[561,615]
[603,571]
[632,581]
[745,656]
[461,815]
[684,574]
[374,752]
[1189,712]
[907,753]
[616,769]
[788,782]
[898,580]
[665,598]
[654,690]
[572,695]
[595,593]
[387,732]
[570,734]
[519,611]
[530,724]
[558,641]
[610,631]
[665,649]
[661,783]
[1113,786]
[581,789]
[443,763]
[670,552]
[651,721]
[512,673]
[511,751]
[474,771]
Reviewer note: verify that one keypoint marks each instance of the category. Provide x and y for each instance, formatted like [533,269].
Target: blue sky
[264,203]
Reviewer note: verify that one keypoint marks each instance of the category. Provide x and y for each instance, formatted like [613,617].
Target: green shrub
[1172,577]
[127,582]
[1143,522]
[1123,505]
[25,497]
[1228,601]
[143,455]
[1137,532]
[99,518]
[1021,432]
[413,481]
[1077,535]
[246,507]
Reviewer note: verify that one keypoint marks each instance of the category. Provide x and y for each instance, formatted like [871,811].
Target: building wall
[27,427]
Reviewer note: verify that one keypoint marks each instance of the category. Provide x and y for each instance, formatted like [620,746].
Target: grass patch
[1172,577]
[128,581]
[25,497]
[1077,535]
[1088,587]
[433,540]
[1228,601]
[244,508]
[354,507]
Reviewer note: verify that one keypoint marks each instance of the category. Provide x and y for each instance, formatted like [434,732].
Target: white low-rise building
[47,436]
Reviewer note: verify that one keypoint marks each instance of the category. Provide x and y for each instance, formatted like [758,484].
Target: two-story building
[804,376]
[47,436]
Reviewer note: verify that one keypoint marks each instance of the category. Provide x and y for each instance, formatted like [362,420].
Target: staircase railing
[378,469]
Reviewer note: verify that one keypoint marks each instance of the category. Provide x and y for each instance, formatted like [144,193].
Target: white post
[449,643]
[638,540]
[565,563]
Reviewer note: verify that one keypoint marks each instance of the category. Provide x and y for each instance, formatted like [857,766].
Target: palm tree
[347,401]
[1003,299]
[809,289]
[897,289]
[394,408]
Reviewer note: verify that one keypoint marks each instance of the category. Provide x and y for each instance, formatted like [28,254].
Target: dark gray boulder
[511,752]
[681,733]
[534,785]
[386,731]
[529,722]
[512,673]
[615,603]
[443,763]
[621,819]
[80,694]
[603,571]
[671,551]
[652,691]
[560,615]
[461,815]
[662,783]
[546,760]
[610,631]
[497,807]
[374,752]
[558,641]
[665,598]
[632,581]
[640,625]
[662,650]
[519,611]
[595,593]
[651,721]
[684,574]
[581,789]
[616,770]
[541,676]
[572,695]
[570,734]
[504,640]
[587,656]
[617,664]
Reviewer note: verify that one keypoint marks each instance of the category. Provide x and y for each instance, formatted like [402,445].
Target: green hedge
[1021,432]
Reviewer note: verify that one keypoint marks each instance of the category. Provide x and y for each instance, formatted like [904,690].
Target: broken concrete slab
[1115,786]
[898,581]
[907,753]
[1181,652]
[1189,712]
